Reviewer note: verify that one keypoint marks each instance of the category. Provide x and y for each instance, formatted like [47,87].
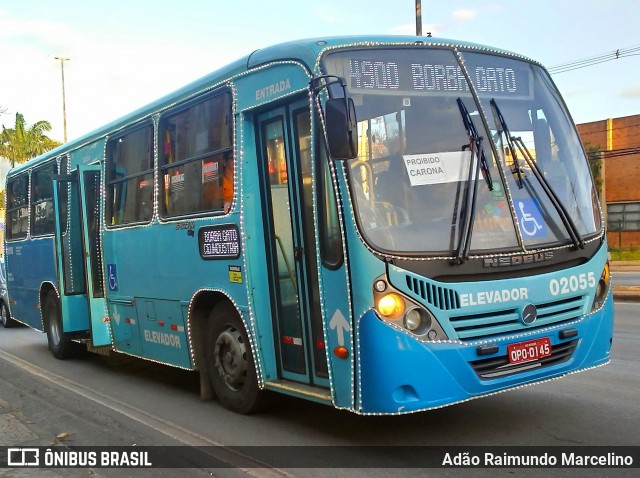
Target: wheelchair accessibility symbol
[532,224]
[112,277]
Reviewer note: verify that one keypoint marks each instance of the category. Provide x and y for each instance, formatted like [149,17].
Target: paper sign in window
[437,168]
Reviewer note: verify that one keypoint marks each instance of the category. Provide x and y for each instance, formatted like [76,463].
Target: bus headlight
[413,319]
[603,288]
[395,308]
[391,306]
[417,321]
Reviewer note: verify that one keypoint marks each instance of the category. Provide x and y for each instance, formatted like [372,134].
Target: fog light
[391,306]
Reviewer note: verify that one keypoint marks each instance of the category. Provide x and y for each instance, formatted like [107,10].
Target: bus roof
[304,51]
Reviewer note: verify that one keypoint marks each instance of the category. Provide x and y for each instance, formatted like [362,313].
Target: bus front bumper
[399,374]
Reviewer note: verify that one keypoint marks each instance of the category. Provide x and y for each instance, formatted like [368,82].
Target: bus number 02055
[573,283]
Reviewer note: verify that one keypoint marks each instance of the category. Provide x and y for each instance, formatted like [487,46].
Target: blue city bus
[384,224]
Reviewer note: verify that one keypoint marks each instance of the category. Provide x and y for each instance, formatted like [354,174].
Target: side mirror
[341,127]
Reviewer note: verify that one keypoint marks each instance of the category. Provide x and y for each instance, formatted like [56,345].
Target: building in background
[617,141]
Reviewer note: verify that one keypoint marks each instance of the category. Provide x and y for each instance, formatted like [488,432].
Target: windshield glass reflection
[410,182]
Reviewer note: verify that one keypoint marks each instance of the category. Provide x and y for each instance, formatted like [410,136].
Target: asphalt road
[125,401]
[626,278]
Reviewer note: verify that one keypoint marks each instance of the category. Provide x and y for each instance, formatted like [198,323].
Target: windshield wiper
[477,163]
[476,144]
[569,225]
[505,129]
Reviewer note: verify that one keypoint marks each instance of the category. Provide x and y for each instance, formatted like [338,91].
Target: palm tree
[24,142]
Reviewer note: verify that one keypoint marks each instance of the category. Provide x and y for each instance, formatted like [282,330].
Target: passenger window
[42,212]
[63,195]
[130,177]
[17,207]
[197,165]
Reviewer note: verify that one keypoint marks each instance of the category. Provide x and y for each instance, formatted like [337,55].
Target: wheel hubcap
[231,358]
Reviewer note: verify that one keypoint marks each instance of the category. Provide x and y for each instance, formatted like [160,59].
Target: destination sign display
[219,242]
[396,72]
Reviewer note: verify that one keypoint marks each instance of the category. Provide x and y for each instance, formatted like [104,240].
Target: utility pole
[64,102]
[418,18]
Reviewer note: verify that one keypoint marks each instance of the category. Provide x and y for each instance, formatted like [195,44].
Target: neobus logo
[517,260]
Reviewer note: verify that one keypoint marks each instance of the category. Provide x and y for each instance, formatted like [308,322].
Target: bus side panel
[162,331]
[124,327]
[156,269]
[29,264]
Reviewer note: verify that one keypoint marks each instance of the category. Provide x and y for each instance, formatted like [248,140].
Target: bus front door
[284,136]
[79,244]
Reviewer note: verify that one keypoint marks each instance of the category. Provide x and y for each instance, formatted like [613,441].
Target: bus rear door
[79,245]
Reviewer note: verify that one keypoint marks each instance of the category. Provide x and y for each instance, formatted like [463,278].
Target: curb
[624,266]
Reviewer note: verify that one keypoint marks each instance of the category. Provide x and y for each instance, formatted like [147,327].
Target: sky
[124,54]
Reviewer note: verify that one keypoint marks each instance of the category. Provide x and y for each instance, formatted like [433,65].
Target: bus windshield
[425,144]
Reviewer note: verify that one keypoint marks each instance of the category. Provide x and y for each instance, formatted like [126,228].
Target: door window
[291,331]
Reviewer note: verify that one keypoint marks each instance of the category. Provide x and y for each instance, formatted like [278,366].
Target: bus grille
[488,324]
[440,297]
[498,367]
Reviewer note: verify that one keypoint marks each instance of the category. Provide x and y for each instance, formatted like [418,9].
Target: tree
[596,158]
[23,142]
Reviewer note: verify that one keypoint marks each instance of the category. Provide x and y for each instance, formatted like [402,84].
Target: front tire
[5,318]
[61,347]
[230,362]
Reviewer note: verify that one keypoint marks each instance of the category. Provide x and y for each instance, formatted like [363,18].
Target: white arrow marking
[116,316]
[341,325]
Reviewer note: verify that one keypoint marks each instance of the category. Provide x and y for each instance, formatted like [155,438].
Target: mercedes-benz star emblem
[529,314]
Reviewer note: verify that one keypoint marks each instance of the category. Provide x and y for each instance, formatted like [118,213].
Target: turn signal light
[391,306]
[606,274]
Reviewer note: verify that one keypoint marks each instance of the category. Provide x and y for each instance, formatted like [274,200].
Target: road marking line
[222,452]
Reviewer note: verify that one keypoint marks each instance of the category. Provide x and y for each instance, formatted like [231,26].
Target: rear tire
[60,346]
[232,371]
[5,318]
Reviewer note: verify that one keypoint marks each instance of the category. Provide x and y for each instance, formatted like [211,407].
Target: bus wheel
[232,371]
[60,347]
[5,318]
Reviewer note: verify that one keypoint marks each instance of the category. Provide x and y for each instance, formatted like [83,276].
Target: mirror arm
[317,87]
[330,80]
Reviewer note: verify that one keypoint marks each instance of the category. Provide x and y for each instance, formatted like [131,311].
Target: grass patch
[625,254]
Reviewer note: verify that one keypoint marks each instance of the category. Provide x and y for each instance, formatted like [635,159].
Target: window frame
[10,181]
[331,240]
[33,201]
[623,212]
[167,115]
[109,181]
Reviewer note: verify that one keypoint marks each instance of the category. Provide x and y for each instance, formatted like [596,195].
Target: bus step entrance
[294,388]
